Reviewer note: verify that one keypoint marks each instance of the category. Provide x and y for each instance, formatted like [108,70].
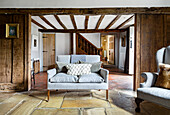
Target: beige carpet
[121,102]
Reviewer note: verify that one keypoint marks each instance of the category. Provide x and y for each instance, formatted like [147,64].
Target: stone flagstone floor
[121,102]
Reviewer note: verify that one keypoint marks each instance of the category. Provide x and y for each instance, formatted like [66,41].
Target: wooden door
[48,51]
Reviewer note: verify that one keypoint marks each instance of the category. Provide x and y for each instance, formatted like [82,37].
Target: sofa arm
[51,73]
[150,79]
[105,74]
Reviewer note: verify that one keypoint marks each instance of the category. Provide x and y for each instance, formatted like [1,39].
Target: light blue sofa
[52,75]
[147,90]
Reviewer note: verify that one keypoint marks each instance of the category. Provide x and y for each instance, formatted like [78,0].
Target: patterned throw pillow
[95,66]
[163,79]
[78,69]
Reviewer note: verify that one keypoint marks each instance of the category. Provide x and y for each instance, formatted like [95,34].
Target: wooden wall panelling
[167,30]
[71,43]
[18,51]
[5,52]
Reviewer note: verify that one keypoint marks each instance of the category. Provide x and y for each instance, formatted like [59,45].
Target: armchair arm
[105,74]
[51,73]
[150,79]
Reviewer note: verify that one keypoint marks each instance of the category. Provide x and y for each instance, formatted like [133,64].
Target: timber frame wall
[16,53]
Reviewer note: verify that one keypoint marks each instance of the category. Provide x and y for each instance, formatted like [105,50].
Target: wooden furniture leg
[138,101]
[48,95]
[107,94]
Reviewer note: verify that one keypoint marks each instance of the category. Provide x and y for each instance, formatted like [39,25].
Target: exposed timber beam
[86,11]
[46,21]
[113,21]
[73,21]
[59,21]
[126,21]
[86,22]
[81,30]
[99,21]
[38,24]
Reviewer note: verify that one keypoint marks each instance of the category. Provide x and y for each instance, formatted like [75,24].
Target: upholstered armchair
[148,91]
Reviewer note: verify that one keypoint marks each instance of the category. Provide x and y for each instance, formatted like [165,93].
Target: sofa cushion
[76,58]
[63,78]
[61,66]
[163,79]
[78,69]
[157,95]
[63,58]
[95,66]
[91,78]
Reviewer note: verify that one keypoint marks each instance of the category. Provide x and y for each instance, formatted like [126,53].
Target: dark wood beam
[46,21]
[86,11]
[38,24]
[99,21]
[126,21]
[86,22]
[59,21]
[113,21]
[81,30]
[73,21]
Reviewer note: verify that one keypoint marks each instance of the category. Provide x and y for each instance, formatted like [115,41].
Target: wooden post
[48,95]
[107,94]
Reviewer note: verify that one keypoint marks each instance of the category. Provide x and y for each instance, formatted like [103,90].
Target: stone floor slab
[56,112]
[54,102]
[85,103]
[94,111]
[117,111]
[26,108]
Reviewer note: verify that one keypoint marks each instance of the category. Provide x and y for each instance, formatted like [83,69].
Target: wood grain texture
[99,22]
[59,21]
[167,30]
[47,22]
[88,11]
[38,24]
[113,21]
[73,21]
[86,22]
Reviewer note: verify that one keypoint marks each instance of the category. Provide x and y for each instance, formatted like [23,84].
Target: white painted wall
[62,46]
[131,50]
[122,52]
[34,53]
[82,3]
[94,38]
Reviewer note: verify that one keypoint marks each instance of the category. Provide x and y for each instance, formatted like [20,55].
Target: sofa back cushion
[167,55]
[95,66]
[63,58]
[78,69]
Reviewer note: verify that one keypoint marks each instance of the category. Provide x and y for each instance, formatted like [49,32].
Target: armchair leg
[138,101]
[107,94]
[48,95]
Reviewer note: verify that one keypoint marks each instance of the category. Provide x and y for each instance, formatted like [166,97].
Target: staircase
[83,46]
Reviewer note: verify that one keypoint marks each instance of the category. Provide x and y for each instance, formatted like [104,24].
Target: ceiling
[64,22]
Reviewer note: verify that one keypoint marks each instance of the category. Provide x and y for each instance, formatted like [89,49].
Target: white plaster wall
[122,52]
[35,53]
[94,38]
[82,3]
[62,46]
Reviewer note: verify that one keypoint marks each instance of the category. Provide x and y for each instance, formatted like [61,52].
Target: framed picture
[123,41]
[12,30]
[34,43]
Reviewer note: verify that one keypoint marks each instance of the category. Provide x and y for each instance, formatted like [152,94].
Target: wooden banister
[84,46]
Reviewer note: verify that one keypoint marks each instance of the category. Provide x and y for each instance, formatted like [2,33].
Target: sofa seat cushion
[155,91]
[63,78]
[91,78]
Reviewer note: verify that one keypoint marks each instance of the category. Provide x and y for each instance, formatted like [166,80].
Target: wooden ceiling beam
[46,21]
[86,11]
[81,30]
[113,21]
[99,21]
[60,22]
[126,21]
[38,24]
[86,22]
[73,21]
